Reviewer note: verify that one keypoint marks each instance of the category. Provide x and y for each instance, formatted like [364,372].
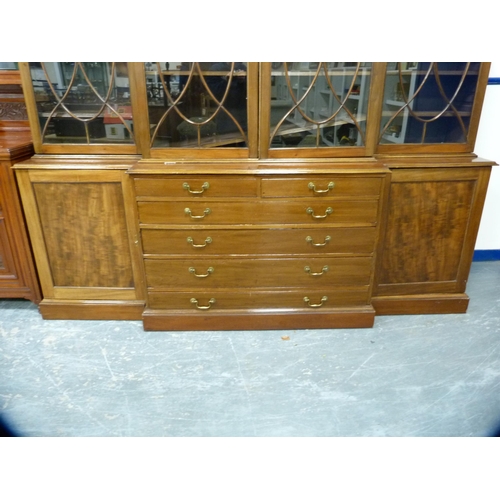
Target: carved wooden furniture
[18,277]
[253,196]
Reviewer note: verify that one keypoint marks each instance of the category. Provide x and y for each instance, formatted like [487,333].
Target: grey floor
[434,375]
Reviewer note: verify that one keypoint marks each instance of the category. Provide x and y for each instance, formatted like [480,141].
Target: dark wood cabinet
[18,277]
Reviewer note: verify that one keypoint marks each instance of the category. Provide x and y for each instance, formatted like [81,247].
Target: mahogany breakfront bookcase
[253,195]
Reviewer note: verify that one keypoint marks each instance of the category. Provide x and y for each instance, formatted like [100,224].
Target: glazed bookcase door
[80,107]
[317,109]
[431,106]
[203,109]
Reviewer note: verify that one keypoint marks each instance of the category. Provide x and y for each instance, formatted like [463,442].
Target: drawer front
[200,242]
[257,273]
[197,186]
[260,212]
[321,187]
[223,299]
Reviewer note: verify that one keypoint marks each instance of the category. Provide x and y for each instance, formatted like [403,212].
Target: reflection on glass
[317,104]
[83,103]
[8,66]
[427,103]
[197,104]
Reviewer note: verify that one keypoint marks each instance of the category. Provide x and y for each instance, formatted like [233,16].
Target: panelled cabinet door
[84,247]
[80,107]
[432,222]
[201,109]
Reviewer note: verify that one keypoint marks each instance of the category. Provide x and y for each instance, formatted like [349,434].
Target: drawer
[345,212]
[224,299]
[215,272]
[197,186]
[200,242]
[321,187]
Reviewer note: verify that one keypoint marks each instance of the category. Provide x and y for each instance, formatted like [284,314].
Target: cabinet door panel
[432,224]
[6,263]
[85,233]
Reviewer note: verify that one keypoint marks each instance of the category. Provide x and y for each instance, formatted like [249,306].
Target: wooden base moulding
[421,304]
[257,320]
[93,310]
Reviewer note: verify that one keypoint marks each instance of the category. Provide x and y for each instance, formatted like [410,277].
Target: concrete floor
[435,375]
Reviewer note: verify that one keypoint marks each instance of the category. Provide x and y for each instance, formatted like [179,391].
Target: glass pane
[83,103]
[197,104]
[319,104]
[428,103]
[8,66]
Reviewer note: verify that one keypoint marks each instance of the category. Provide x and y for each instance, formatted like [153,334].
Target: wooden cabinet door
[432,223]
[83,246]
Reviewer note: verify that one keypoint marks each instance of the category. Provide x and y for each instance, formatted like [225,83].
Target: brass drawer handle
[203,308]
[307,269]
[210,270]
[312,186]
[194,245]
[205,213]
[310,240]
[328,211]
[204,187]
[323,300]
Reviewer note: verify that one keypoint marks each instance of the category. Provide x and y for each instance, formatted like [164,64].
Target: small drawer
[321,187]
[200,242]
[207,186]
[223,299]
[259,212]
[257,273]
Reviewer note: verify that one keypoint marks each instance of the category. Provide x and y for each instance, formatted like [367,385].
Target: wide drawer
[259,212]
[197,186]
[321,186]
[275,273]
[200,242]
[224,299]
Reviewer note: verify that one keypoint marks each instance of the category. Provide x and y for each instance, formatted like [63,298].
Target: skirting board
[484,255]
